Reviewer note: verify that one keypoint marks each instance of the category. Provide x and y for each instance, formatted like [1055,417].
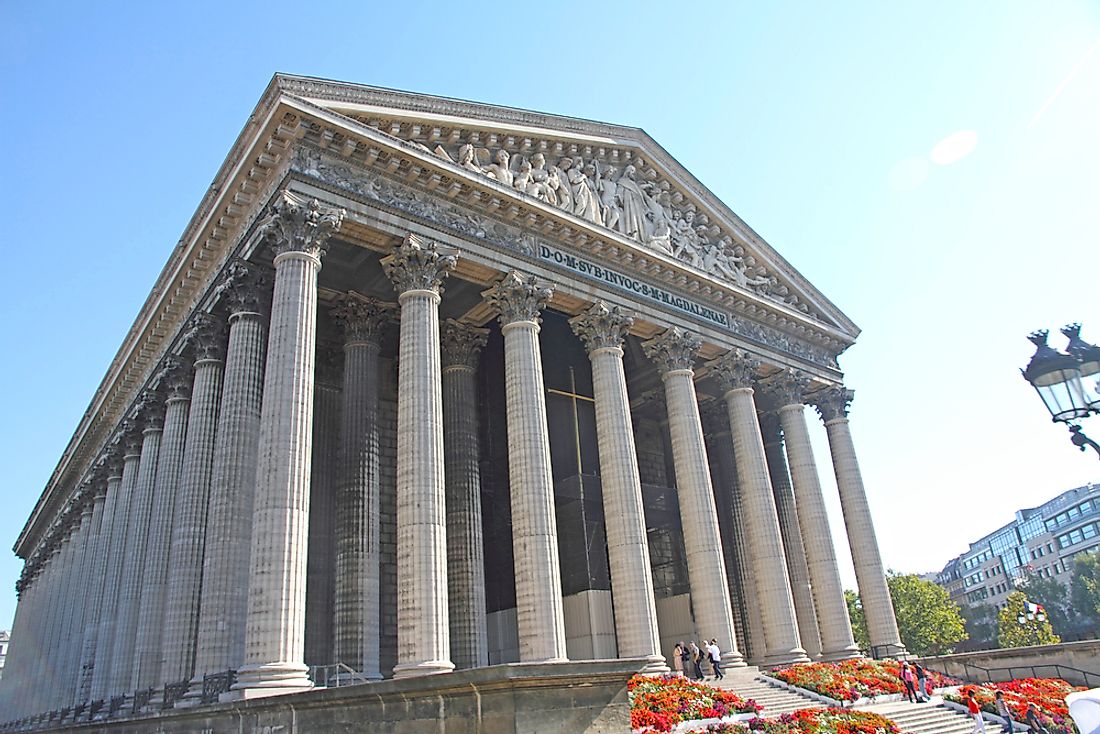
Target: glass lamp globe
[1088,364]
[1057,379]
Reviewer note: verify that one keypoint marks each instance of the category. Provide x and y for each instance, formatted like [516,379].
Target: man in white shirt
[715,659]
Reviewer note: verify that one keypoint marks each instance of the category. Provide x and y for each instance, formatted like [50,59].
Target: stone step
[927,718]
[774,700]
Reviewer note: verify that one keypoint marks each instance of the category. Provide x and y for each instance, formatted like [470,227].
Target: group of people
[689,659]
[918,684]
[1031,717]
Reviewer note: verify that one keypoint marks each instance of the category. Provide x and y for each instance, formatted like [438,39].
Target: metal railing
[117,703]
[335,676]
[889,650]
[174,692]
[978,674]
[215,684]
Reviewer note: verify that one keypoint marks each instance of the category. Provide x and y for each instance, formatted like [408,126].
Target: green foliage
[1052,594]
[981,626]
[859,622]
[1086,585]
[1010,633]
[928,621]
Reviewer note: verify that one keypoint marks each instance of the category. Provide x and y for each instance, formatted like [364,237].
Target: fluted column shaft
[68,562]
[129,599]
[791,535]
[188,533]
[102,681]
[150,629]
[102,519]
[832,610]
[674,352]
[13,683]
[320,571]
[357,516]
[91,519]
[224,597]
[878,608]
[465,551]
[762,525]
[39,674]
[603,330]
[539,606]
[274,647]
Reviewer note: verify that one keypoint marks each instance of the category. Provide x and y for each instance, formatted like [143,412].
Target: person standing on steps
[1033,722]
[907,679]
[715,659]
[921,698]
[976,712]
[678,659]
[1003,710]
[696,660]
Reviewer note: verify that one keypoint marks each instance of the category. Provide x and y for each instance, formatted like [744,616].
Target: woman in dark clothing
[1033,722]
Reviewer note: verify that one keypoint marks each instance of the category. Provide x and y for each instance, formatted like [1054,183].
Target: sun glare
[954,147]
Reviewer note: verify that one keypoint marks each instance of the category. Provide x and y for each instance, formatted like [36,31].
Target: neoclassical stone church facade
[430,385]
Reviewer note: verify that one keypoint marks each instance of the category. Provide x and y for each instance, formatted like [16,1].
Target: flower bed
[659,703]
[850,680]
[810,721]
[1048,695]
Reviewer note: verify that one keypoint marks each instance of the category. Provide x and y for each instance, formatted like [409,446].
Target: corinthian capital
[461,344]
[418,264]
[363,319]
[174,378]
[734,369]
[832,402]
[243,288]
[602,326]
[518,297]
[298,224]
[674,349]
[206,335]
[787,387]
[149,411]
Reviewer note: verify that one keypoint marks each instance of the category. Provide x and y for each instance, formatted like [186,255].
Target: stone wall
[547,698]
[1068,660]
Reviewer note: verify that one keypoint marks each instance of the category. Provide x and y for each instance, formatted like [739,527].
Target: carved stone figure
[559,182]
[586,204]
[499,169]
[609,197]
[632,204]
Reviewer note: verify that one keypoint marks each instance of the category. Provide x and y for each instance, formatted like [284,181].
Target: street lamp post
[1068,383]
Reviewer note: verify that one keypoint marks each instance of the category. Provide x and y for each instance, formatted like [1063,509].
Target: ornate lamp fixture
[1069,384]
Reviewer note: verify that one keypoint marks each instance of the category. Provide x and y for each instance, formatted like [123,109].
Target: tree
[928,621]
[1055,597]
[981,627]
[859,622]
[1032,631]
[1086,584]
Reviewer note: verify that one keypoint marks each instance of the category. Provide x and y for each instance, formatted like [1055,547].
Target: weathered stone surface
[578,697]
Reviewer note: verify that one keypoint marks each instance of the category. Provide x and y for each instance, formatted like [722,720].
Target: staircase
[928,718]
[746,684]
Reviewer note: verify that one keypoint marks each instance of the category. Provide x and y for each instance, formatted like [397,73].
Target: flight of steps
[927,718]
[746,684]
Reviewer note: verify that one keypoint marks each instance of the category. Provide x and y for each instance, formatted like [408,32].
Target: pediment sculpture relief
[636,206]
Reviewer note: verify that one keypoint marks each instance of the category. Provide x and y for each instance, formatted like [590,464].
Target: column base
[654,665]
[847,653]
[733,659]
[428,667]
[791,657]
[271,679]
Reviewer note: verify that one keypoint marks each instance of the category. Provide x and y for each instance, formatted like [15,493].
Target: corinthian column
[465,552]
[102,518]
[357,516]
[828,593]
[791,534]
[539,607]
[188,534]
[151,411]
[417,268]
[603,329]
[735,373]
[91,521]
[223,601]
[673,352]
[175,379]
[274,647]
[882,627]
[120,483]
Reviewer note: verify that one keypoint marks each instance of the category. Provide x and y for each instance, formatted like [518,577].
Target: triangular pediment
[613,179]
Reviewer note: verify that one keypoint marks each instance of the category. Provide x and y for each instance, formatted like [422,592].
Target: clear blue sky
[816,122]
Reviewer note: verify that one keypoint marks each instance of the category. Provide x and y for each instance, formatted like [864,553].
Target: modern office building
[1040,540]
